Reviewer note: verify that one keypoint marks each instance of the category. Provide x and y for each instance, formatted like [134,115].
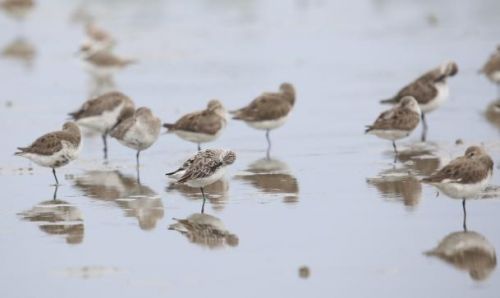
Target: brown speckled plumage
[268,106]
[209,121]
[474,166]
[51,143]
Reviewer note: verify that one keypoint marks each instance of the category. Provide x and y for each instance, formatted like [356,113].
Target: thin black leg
[54,197]
[199,147]
[424,130]
[55,176]
[465,216]
[137,158]
[395,148]
[268,138]
[204,200]
[105,143]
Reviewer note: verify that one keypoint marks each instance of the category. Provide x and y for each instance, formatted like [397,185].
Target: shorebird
[139,131]
[98,37]
[204,168]
[103,113]
[18,9]
[465,176]
[430,90]
[491,68]
[202,126]
[398,122]
[54,149]
[268,111]
[102,63]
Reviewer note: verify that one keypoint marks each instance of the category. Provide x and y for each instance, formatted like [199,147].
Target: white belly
[202,182]
[56,160]
[267,124]
[102,123]
[495,77]
[196,137]
[442,95]
[390,134]
[463,191]
[140,137]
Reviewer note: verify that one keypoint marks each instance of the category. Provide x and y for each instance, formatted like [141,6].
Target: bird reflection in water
[135,199]
[399,185]
[20,50]
[216,193]
[468,251]
[205,230]
[421,160]
[57,217]
[272,176]
[492,113]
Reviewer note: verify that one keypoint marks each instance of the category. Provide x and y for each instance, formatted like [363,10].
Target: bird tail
[172,173]
[21,151]
[169,126]
[392,100]
[126,62]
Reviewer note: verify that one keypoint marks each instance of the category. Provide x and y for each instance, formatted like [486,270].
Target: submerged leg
[55,176]
[204,199]
[465,216]
[199,147]
[105,143]
[424,130]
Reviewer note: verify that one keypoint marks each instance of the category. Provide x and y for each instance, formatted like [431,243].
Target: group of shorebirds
[465,176]
[114,114]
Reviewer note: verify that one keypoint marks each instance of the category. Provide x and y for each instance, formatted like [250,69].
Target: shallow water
[330,199]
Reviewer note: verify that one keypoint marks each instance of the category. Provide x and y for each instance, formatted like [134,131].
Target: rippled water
[330,201]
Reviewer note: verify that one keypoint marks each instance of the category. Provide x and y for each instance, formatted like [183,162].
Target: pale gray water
[325,206]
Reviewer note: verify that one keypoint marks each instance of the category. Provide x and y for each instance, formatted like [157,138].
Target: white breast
[103,122]
[443,92]
[267,124]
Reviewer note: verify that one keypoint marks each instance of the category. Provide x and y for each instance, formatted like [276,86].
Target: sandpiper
[202,126]
[268,111]
[18,9]
[139,131]
[98,37]
[102,63]
[204,168]
[398,122]
[430,90]
[465,176]
[103,113]
[55,149]
[491,68]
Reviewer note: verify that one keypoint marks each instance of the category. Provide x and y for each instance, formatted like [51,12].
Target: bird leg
[55,176]
[199,147]
[465,216]
[268,138]
[395,148]
[204,199]
[54,197]
[137,158]
[424,130]
[105,142]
